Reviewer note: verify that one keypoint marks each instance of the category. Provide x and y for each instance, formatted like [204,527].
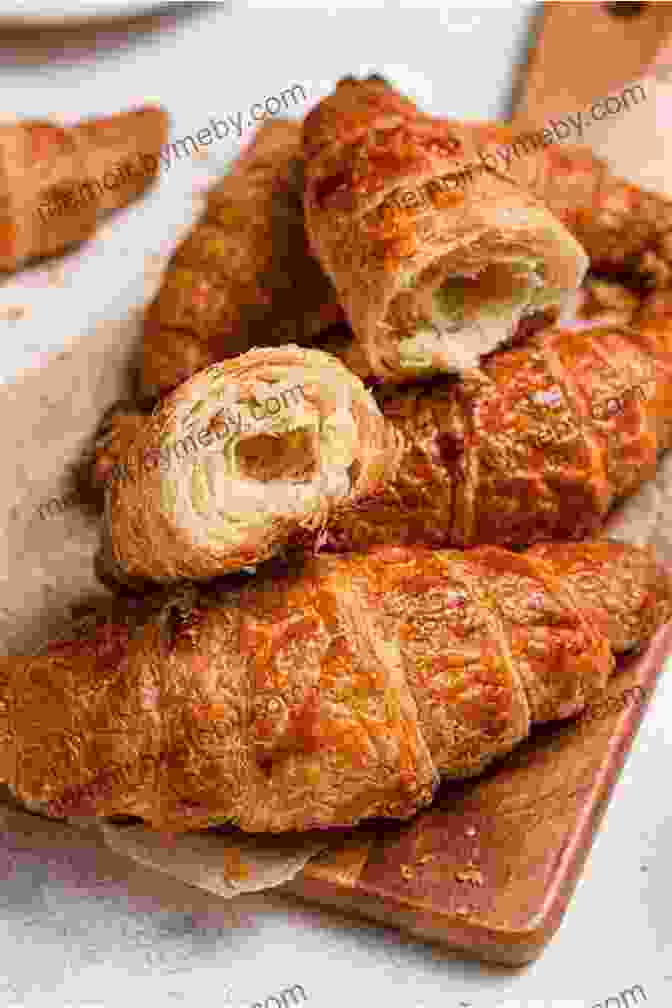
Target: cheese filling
[236,467]
[470,315]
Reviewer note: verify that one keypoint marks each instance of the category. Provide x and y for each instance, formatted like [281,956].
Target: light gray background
[454,60]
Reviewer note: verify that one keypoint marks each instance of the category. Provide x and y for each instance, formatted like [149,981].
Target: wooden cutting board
[490,868]
[586,53]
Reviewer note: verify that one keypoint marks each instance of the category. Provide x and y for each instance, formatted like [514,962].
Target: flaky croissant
[245,457]
[322,696]
[538,444]
[244,276]
[433,270]
[56,182]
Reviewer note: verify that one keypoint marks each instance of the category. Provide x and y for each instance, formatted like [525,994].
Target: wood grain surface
[489,869]
[583,51]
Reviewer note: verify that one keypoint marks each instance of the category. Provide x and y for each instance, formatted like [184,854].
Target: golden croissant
[431,275]
[323,695]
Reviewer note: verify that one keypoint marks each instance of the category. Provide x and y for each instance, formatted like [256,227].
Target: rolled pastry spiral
[248,456]
[433,268]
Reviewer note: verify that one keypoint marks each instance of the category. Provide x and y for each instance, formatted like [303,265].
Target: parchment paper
[50,534]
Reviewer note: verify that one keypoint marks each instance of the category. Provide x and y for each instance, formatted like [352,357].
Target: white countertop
[68,937]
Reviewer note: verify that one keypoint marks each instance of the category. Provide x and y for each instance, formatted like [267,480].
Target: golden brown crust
[537,445]
[53,178]
[388,229]
[626,591]
[244,276]
[323,695]
[626,230]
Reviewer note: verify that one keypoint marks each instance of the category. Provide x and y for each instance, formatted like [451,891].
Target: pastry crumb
[426,858]
[407,872]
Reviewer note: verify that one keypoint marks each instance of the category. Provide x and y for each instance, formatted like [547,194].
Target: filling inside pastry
[292,456]
[470,314]
[235,462]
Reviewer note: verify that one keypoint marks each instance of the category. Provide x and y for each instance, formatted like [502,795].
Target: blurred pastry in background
[57,182]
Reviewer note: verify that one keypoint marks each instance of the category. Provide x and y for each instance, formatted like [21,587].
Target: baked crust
[389,229]
[538,444]
[325,694]
[244,276]
[53,191]
[626,230]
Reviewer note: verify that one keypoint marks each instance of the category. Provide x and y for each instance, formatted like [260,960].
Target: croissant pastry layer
[431,275]
[540,443]
[325,694]
[54,180]
[625,230]
[244,276]
[246,456]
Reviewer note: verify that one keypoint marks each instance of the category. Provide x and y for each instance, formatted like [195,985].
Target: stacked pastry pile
[465,410]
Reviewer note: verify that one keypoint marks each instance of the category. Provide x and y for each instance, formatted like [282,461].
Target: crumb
[14,313]
[407,872]
[426,858]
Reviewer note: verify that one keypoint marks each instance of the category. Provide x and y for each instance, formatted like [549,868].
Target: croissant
[244,276]
[56,182]
[243,458]
[432,272]
[326,694]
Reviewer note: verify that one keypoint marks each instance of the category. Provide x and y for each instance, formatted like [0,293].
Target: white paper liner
[46,568]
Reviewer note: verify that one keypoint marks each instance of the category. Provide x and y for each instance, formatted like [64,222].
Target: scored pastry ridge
[320,695]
